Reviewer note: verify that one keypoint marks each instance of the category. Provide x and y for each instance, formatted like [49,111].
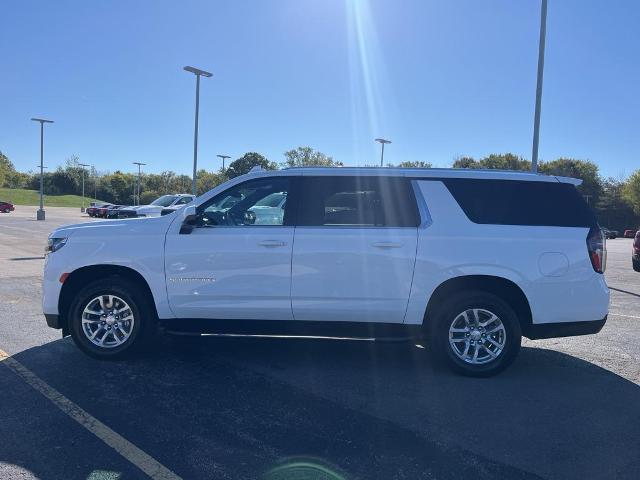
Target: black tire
[636,265]
[142,329]
[442,350]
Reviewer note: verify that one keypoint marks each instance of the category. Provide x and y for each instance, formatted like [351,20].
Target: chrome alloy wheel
[107,321]
[477,336]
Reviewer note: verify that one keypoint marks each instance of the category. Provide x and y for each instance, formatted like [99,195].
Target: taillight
[597,249]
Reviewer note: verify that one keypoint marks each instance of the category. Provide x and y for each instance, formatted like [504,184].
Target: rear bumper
[565,329]
[126,214]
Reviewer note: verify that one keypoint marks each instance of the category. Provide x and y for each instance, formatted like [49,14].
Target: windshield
[164,201]
[272,200]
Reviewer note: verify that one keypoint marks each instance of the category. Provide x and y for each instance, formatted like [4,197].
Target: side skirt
[358,330]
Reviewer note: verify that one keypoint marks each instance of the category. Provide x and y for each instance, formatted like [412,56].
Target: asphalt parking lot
[241,408]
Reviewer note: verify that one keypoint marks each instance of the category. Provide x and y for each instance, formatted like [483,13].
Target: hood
[111,227]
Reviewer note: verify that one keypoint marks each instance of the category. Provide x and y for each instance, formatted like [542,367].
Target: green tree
[61,182]
[613,210]
[9,176]
[631,191]
[148,196]
[502,161]
[6,169]
[205,181]
[465,162]
[413,164]
[585,170]
[308,157]
[245,163]
[122,186]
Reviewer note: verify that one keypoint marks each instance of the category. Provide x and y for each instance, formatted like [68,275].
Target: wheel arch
[499,286]
[82,276]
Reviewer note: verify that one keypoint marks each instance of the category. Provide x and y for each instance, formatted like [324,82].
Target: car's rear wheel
[475,334]
[110,318]
[636,265]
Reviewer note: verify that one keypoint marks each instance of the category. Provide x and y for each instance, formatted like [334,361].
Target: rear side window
[508,202]
[357,201]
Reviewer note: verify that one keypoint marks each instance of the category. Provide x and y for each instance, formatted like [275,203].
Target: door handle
[272,243]
[386,244]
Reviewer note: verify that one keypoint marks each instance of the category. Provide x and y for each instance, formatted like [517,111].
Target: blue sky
[440,78]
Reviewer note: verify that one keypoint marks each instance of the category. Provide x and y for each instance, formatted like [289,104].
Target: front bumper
[565,329]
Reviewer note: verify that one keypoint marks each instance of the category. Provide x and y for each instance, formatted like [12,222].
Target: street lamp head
[382,140]
[223,156]
[138,163]
[197,71]
[83,165]
[42,120]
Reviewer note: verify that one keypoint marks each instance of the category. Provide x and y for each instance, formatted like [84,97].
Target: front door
[236,263]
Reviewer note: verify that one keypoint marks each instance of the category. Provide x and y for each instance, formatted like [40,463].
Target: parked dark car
[93,210]
[610,234]
[103,210]
[114,210]
[629,233]
[635,252]
[6,207]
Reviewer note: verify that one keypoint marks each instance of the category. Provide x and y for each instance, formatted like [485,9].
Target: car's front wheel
[110,318]
[476,334]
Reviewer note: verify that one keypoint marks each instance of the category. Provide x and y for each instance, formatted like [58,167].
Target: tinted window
[184,200]
[357,201]
[507,202]
[249,203]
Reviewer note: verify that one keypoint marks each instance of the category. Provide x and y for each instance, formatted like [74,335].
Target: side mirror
[189,219]
[188,211]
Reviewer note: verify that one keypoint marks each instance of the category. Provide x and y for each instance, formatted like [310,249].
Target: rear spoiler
[572,181]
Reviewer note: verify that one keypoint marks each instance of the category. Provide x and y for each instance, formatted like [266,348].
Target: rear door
[354,249]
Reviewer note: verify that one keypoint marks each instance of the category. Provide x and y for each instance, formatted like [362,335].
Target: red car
[6,207]
[629,234]
[94,210]
[635,252]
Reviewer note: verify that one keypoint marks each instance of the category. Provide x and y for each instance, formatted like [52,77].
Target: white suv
[154,209]
[470,260]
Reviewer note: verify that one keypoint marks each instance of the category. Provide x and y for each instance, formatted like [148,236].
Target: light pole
[382,142]
[40,213]
[83,165]
[198,73]
[137,191]
[536,115]
[223,157]
[95,183]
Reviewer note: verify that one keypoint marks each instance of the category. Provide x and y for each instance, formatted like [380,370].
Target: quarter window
[357,201]
[512,202]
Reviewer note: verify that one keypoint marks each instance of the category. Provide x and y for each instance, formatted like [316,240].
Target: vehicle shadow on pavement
[240,407]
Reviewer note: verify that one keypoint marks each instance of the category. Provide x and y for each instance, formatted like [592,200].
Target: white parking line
[621,315]
[124,447]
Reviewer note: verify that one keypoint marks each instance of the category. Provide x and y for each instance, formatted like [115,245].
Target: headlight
[55,244]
